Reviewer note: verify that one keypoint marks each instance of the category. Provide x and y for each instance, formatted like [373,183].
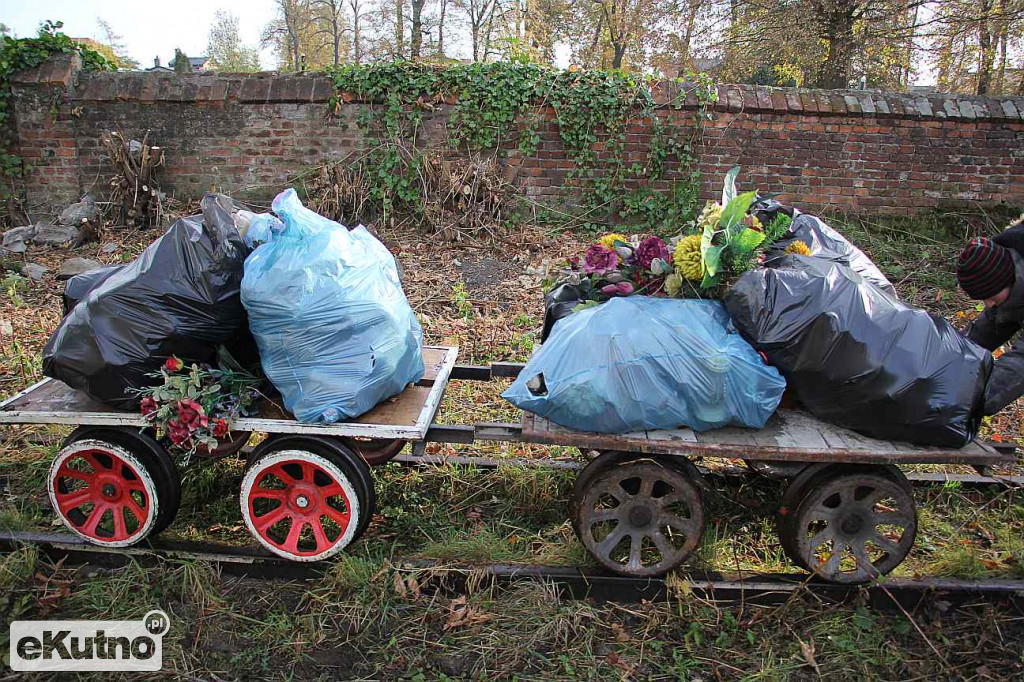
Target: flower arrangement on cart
[700,262]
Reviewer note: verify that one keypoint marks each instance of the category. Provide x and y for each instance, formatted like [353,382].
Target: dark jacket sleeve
[990,332]
[1012,237]
[1006,383]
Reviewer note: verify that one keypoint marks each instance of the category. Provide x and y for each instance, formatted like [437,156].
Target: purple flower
[649,249]
[620,289]
[599,260]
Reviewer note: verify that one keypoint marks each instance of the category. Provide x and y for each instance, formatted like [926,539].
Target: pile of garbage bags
[858,357]
[179,298]
[335,332]
[640,363]
[323,305]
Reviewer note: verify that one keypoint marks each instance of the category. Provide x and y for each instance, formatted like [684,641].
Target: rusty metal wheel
[637,515]
[853,524]
[374,451]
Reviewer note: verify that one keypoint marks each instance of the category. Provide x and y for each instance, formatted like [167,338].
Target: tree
[180,63]
[359,14]
[971,41]
[225,48]
[118,52]
[479,15]
[328,16]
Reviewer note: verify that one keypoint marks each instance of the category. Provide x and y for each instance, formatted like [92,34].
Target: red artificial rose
[173,364]
[220,428]
[148,406]
[191,414]
[177,432]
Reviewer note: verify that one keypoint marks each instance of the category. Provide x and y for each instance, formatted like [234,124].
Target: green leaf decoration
[712,259]
[729,186]
[732,214]
[746,241]
[579,307]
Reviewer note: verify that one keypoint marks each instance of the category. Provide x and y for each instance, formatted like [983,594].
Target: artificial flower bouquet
[723,243]
[195,406]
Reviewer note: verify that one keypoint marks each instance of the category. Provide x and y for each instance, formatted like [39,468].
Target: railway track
[572,583]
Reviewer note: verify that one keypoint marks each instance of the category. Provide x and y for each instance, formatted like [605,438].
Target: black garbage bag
[558,304]
[79,286]
[860,358]
[825,242]
[179,297]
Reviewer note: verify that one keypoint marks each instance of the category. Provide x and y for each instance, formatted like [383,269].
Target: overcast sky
[150,29]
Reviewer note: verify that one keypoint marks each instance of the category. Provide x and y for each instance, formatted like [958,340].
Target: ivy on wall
[499,106]
[19,54]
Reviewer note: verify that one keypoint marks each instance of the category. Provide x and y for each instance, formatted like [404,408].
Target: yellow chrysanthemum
[609,240]
[687,258]
[800,248]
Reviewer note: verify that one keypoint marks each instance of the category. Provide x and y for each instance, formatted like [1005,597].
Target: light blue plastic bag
[643,363]
[335,332]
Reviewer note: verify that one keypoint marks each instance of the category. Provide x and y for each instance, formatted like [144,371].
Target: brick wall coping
[271,87]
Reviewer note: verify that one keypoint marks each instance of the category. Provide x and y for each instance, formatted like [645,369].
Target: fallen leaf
[807,649]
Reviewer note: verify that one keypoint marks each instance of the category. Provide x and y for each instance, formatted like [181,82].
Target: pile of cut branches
[466,200]
[134,198]
[341,192]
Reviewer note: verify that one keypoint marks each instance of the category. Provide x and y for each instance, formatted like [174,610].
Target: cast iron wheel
[113,487]
[637,515]
[853,524]
[305,499]
[140,442]
[375,451]
[363,481]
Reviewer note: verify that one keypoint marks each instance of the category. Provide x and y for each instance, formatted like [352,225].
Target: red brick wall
[250,135]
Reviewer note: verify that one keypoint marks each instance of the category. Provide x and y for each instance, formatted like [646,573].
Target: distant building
[198,64]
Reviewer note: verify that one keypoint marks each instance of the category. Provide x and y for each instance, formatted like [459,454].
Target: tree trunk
[838,33]
[1004,24]
[400,29]
[440,28]
[356,31]
[416,38]
[986,53]
[684,51]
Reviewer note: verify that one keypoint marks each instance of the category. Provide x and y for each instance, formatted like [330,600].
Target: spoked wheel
[373,450]
[637,515]
[306,499]
[114,487]
[851,523]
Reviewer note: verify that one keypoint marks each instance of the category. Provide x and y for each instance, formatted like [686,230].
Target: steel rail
[572,582]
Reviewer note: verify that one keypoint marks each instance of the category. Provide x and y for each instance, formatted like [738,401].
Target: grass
[370,617]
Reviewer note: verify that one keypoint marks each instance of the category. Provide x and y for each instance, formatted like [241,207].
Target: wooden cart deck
[406,416]
[790,435]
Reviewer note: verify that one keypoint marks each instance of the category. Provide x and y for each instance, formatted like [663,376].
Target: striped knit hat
[984,268]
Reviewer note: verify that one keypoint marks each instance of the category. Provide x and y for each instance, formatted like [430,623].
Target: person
[992,271]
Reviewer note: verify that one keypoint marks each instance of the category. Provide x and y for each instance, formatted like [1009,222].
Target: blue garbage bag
[643,363]
[335,332]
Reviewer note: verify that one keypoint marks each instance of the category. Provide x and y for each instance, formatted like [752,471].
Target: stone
[14,239]
[6,328]
[34,271]
[109,248]
[54,235]
[76,266]
[75,213]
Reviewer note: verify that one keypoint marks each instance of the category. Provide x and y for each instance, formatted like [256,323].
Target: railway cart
[847,514]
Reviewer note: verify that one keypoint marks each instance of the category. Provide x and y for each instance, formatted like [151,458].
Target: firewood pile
[135,199]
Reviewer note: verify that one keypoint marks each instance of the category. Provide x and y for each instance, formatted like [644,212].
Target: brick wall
[250,135]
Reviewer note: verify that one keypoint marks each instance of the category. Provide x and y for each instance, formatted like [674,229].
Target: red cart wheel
[106,493]
[303,505]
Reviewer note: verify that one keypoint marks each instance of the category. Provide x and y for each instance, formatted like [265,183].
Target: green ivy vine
[499,105]
[19,54]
